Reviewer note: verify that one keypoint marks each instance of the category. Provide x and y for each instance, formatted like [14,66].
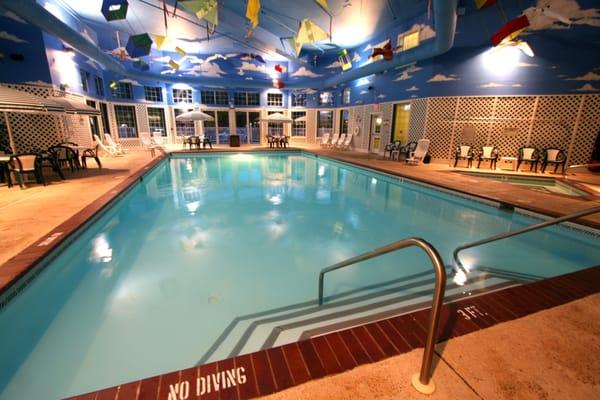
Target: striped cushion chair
[488,153]
[464,152]
[553,156]
[529,155]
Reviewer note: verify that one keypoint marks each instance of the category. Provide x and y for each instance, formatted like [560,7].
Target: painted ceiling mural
[557,52]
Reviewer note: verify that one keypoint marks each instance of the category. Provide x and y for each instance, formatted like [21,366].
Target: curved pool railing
[554,221]
[422,381]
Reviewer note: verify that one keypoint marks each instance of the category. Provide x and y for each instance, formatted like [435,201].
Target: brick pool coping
[268,371]
[275,369]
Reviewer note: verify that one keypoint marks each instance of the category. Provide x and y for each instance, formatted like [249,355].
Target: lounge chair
[333,141]
[111,143]
[391,147]
[158,139]
[488,153]
[325,140]
[23,164]
[417,156]
[553,156]
[529,155]
[338,143]
[346,143]
[91,153]
[464,152]
[110,150]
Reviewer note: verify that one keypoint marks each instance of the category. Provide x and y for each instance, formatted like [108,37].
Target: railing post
[422,381]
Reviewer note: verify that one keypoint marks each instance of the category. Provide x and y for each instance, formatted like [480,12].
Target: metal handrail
[438,295]
[530,228]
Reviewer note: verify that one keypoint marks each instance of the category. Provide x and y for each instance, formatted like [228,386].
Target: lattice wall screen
[418,112]
[510,122]
[32,132]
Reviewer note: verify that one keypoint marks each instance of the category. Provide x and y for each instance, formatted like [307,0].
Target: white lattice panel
[440,117]
[33,132]
[387,110]
[77,129]
[475,107]
[554,121]
[588,129]
[418,112]
[42,91]
[513,114]
[141,113]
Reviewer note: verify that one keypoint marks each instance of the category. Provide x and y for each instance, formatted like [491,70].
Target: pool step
[289,324]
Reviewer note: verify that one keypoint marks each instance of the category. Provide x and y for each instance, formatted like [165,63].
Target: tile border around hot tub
[272,370]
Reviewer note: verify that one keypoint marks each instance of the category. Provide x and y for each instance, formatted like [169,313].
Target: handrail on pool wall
[422,381]
[529,228]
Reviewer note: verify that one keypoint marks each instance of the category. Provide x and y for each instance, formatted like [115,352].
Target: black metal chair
[488,153]
[390,147]
[404,152]
[273,141]
[464,152]
[529,155]
[553,156]
[25,164]
[91,153]
[65,155]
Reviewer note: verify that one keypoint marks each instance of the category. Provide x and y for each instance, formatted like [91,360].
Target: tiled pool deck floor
[275,369]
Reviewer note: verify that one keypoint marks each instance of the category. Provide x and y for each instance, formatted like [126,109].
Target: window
[126,125]
[298,99]
[184,128]
[215,97]
[299,123]
[99,86]
[324,122]
[246,99]
[105,121]
[346,96]
[275,99]
[156,120]
[93,119]
[84,76]
[408,41]
[344,115]
[182,95]
[325,99]
[221,97]
[152,93]
[123,91]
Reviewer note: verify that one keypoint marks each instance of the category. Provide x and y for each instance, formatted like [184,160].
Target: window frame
[273,103]
[188,98]
[298,125]
[124,90]
[153,94]
[131,131]
[331,111]
[296,97]
[99,83]
[84,77]
[162,117]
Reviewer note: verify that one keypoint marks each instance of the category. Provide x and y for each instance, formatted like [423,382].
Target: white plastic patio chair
[147,143]
[158,139]
[333,141]
[111,143]
[346,144]
[417,156]
[110,150]
[325,140]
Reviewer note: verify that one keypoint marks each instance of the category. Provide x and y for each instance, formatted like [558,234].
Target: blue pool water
[215,255]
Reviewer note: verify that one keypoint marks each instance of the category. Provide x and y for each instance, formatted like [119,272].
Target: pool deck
[31,219]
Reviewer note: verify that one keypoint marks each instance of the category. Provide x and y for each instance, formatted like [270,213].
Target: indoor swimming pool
[215,255]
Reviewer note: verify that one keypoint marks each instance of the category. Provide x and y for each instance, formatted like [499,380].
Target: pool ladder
[422,381]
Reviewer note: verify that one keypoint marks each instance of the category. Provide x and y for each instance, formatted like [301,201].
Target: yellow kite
[252,12]
[309,33]
[204,9]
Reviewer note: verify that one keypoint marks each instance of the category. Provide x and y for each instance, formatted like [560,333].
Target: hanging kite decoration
[142,65]
[139,45]
[386,51]
[323,4]
[345,60]
[308,33]
[114,9]
[249,56]
[278,68]
[252,11]
[483,3]
[507,35]
[204,9]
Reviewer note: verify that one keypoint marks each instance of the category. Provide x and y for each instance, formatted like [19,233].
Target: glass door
[401,122]
[241,125]
[254,124]
[375,133]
